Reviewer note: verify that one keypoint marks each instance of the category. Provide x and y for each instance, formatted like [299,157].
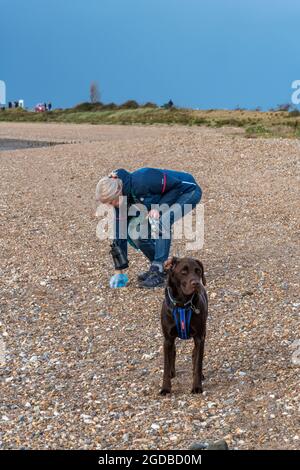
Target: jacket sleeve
[172,190]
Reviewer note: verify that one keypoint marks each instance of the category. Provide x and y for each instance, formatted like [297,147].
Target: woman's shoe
[155,278]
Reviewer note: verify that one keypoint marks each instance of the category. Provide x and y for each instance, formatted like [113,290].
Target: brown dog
[184,314]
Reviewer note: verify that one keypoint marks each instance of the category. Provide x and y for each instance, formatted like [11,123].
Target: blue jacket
[153,186]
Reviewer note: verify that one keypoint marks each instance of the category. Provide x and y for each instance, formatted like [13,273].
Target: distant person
[9,104]
[16,104]
[49,106]
[45,106]
[168,105]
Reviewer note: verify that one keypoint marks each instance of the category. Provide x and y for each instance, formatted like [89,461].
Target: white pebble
[155,426]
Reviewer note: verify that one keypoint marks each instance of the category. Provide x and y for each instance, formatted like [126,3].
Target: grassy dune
[254,123]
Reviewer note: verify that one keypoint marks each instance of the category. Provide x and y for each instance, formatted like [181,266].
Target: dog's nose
[195,283]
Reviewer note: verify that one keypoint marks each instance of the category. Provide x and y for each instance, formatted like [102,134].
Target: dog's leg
[197,364]
[168,360]
[194,353]
[173,371]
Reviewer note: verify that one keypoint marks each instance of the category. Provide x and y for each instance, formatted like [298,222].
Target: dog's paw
[165,391]
[197,390]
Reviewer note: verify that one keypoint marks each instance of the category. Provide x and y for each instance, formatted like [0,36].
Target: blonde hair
[108,189]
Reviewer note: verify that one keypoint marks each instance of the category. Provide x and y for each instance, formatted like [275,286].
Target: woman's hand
[153,214]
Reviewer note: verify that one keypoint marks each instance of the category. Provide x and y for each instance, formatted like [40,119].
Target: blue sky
[200,53]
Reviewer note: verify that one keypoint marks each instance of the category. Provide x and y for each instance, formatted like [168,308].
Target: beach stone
[199,446]
[217,445]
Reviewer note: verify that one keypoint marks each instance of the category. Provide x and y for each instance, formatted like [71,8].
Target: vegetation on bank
[279,123]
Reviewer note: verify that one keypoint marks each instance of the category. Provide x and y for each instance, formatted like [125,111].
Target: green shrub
[256,129]
[110,106]
[294,113]
[149,105]
[294,124]
[230,122]
[130,104]
[87,106]
[198,121]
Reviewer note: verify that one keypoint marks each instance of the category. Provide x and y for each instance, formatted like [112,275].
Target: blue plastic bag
[118,280]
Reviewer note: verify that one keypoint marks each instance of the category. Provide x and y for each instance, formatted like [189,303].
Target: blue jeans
[157,250]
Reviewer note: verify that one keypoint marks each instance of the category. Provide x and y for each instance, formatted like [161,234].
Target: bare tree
[94,92]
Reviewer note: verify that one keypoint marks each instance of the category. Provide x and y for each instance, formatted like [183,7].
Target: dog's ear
[202,272]
[170,263]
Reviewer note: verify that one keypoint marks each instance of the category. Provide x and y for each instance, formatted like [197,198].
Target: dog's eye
[198,270]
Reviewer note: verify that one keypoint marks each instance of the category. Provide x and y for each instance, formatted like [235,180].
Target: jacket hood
[125,176]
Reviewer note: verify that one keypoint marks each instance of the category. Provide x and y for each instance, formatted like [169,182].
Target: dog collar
[175,303]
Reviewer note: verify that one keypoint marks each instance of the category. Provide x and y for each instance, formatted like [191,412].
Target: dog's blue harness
[182,315]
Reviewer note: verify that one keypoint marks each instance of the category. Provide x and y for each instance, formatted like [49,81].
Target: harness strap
[182,318]
[177,320]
